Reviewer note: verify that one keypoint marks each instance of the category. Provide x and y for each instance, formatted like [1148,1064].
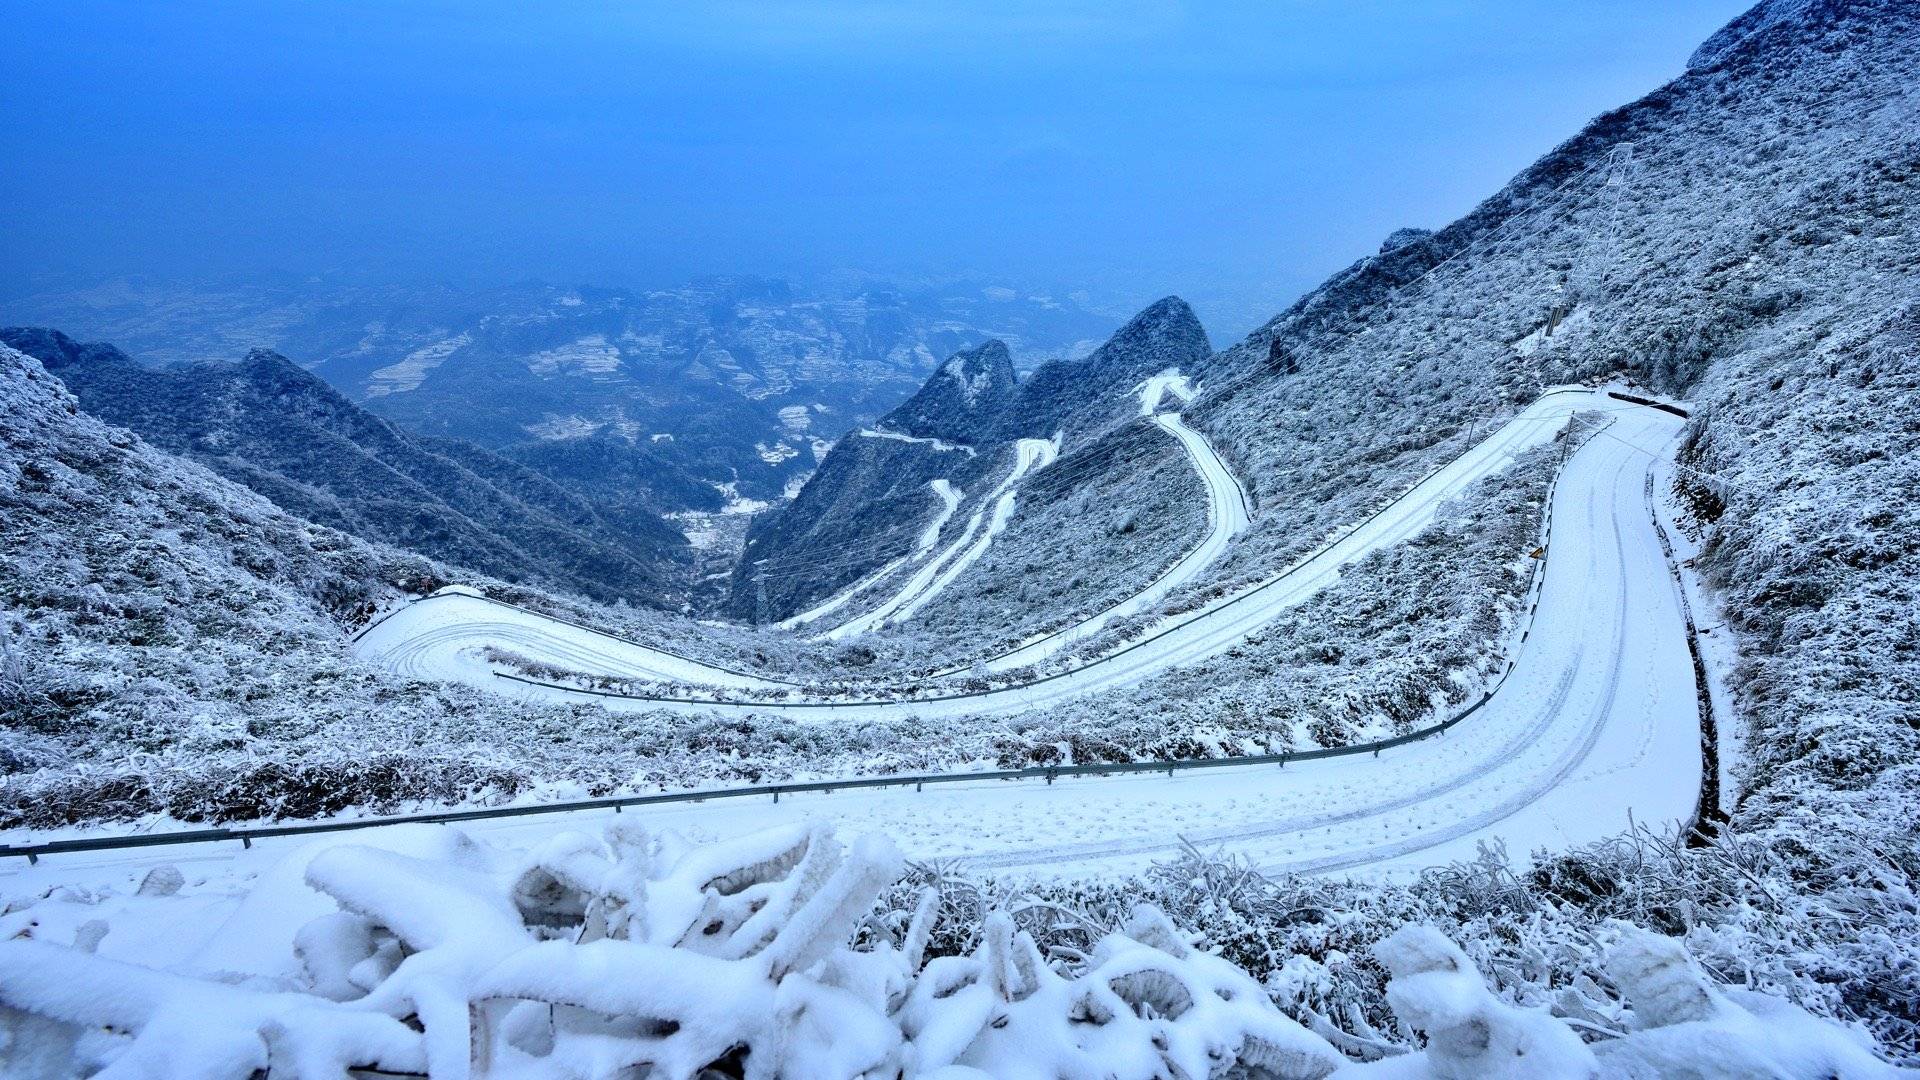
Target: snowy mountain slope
[173,643]
[936,567]
[1083,396]
[425,641]
[846,524]
[962,401]
[1755,248]
[1227,512]
[281,431]
[826,539]
[1590,727]
[1730,210]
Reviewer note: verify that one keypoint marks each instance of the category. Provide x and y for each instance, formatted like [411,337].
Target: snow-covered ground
[428,951]
[447,648]
[1595,723]
[1592,727]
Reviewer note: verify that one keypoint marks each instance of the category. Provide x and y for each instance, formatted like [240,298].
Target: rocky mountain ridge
[723,388]
[869,500]
[268,424]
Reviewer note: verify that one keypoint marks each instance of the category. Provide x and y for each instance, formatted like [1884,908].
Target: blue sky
[1235,153]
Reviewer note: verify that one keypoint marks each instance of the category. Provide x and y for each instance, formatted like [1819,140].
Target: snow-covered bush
[772,956]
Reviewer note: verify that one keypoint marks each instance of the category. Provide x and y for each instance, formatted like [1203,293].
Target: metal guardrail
[1048,773]
[1652,404]
[1708,814]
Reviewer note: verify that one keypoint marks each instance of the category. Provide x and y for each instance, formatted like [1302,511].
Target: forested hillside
[286,434]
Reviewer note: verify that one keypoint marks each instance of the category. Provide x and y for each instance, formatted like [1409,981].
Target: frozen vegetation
[786,953]
[1741,238]
[213,651]
[266,424]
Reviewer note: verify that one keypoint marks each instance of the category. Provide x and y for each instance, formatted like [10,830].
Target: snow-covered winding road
[928,582]
[949,497]
[1227,517]
[442,637]
[445,646]
[1595,723]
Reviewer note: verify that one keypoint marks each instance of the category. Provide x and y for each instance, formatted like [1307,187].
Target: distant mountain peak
[56,350]
[1167,330]
[963,399]
[269,424]
[980,372]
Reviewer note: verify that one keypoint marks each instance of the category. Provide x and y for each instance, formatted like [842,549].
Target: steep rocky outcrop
[1083,397]
[963,401]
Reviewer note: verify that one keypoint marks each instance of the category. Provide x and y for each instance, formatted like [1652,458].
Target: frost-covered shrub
[781,955]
